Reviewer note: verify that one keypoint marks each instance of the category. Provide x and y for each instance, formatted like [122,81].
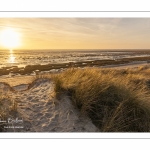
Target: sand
[17,80]
[42,112]
[128,65]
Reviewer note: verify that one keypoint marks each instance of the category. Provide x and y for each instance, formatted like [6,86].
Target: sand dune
[42,112]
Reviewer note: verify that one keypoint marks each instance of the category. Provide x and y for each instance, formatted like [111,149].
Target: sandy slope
[16,80]
[42,112]
[128,65]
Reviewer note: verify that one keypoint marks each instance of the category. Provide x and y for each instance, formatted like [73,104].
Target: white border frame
[73,14]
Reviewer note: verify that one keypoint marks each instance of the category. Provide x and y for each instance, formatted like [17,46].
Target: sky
[80,33]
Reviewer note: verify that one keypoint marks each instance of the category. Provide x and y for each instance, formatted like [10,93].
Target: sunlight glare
[9,38]
[12,58]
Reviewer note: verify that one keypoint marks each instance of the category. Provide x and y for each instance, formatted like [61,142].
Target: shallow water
[23,58]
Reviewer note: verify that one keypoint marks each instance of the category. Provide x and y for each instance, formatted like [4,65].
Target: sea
[22,58]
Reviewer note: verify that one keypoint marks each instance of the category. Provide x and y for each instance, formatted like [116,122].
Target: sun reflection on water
[11,57]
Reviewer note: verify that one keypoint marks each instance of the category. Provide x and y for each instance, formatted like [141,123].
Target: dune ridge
[42,112]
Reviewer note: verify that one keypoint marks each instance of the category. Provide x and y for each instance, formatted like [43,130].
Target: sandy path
[42,112]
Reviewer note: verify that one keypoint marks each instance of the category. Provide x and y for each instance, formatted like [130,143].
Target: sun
[9,38]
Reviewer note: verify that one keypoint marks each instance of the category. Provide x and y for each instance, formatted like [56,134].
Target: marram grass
[115,100]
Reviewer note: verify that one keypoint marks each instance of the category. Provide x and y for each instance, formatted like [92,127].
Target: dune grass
[8,108]
[115,100]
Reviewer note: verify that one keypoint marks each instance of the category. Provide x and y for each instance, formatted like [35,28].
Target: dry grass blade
[115,100]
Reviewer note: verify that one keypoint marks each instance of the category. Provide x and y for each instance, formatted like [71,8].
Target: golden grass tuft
[115,100]
[8,108]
